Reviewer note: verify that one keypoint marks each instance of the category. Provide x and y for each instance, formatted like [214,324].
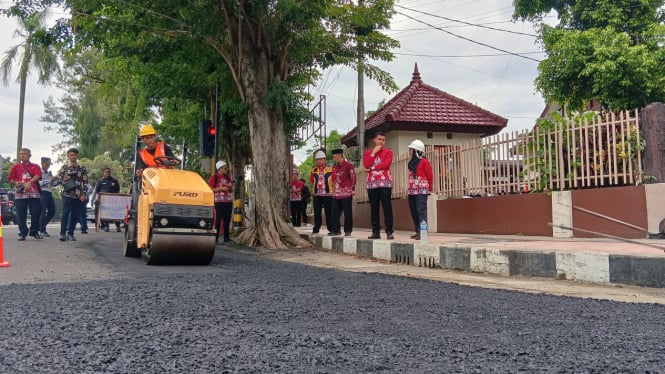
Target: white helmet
[319,154]
[418,145]
[220,164]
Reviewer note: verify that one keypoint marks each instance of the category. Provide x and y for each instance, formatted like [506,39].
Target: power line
[465,56]
[464,22]
[467,39]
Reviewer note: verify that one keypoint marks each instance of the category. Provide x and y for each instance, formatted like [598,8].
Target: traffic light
[208,134]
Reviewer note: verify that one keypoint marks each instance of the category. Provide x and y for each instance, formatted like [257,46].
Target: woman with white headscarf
[420,184]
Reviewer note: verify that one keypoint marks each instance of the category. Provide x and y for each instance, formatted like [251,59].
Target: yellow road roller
[171,219]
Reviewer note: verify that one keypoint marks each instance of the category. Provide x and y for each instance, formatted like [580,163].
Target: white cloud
[35,136]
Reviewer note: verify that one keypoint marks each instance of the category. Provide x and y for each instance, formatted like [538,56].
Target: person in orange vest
[153,150]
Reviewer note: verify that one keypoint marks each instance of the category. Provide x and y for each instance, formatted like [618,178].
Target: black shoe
[334,233]
[45,234]
[226,240]
[63,238]
[106,228]
[374,236]
[117,229]
[84,232]
[21,238]
[347,234]
[415,237]
[38,236]
[71,238]
[390,236]
[315,231]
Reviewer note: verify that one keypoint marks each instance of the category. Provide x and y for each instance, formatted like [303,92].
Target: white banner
[113,206]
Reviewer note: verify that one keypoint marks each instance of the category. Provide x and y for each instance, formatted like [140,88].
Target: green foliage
[272,49]
[608,50]
[96,166]
[541,156]
[332,141]
[7,164]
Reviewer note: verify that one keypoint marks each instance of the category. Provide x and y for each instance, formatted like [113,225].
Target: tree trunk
[269,224]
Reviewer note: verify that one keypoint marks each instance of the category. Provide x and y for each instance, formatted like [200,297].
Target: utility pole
[360,115]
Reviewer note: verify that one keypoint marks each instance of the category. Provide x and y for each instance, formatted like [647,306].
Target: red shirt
[217,181]
[421,183]
[379,165]
[295,190]
[344,180]
[22,173]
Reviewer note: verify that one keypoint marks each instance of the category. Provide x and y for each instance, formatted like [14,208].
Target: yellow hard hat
[147,130]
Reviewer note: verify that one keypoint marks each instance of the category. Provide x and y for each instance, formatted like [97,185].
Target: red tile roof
[420,106]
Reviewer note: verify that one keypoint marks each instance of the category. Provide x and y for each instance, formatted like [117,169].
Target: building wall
[399,141]
[605,207]
[626,212]
[498,215]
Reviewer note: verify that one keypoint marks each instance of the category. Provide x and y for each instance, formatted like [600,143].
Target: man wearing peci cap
[321,179]
[46,195]
[221,184]
[344,182]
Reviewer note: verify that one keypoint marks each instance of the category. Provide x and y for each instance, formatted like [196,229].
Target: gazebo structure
[427,113]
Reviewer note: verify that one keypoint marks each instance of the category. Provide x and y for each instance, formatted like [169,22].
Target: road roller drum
[171,220]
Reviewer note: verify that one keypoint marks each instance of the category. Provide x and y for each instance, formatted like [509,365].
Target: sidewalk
[634,262]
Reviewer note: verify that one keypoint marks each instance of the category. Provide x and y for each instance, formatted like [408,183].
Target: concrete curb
[578,266]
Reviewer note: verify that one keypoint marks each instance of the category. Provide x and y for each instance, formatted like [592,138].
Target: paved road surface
[85,308]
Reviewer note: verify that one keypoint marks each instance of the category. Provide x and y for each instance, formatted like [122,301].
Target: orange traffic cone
[3,263]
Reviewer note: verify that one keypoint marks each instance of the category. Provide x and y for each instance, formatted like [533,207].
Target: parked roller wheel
[129,248]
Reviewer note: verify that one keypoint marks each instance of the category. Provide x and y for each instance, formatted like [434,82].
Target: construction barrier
[237,212]
[3,263]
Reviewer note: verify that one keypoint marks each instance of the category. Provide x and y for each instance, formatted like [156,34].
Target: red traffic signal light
[208,135]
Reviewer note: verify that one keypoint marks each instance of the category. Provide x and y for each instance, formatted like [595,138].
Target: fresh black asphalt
[249,314]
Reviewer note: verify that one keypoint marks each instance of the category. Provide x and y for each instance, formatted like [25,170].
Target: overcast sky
[467,68]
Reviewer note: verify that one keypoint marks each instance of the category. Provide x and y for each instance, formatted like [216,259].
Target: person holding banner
[106,184]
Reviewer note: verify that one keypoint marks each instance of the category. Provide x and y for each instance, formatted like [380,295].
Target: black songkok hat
[338,151]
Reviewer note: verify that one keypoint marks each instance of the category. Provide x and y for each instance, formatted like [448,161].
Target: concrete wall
[610,205]
[628,212]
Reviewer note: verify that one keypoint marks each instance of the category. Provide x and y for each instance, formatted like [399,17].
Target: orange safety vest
[149,159]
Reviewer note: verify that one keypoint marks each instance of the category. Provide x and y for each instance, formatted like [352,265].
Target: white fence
[592,150]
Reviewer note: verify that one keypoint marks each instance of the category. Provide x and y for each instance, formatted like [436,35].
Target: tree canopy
[269,49]
[605,50]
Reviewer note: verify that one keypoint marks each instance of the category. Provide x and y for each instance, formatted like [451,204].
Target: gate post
[652,124]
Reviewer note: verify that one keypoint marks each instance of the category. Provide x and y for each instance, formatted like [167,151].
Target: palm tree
[33,52]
